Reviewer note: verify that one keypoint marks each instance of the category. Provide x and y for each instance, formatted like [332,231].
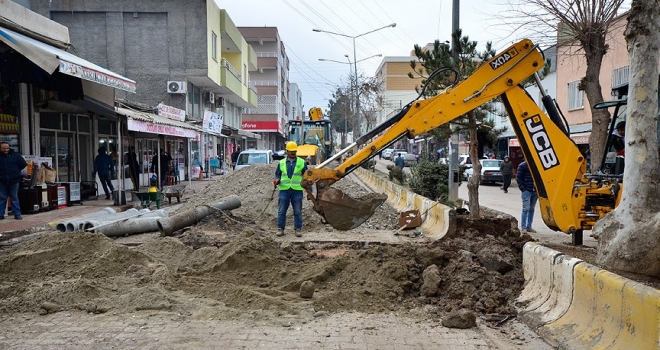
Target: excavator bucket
[343,212]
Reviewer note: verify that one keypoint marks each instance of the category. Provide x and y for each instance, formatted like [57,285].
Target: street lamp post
[355,61]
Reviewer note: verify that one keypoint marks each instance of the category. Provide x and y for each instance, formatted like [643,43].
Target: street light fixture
[355,61]
[349,62]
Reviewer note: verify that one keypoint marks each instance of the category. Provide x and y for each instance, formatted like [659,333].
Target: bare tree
[581,25]
[629,238]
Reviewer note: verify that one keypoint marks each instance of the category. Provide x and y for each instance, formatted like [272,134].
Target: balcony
[231,78]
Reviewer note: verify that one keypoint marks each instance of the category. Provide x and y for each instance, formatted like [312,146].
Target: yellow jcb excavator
[571,200]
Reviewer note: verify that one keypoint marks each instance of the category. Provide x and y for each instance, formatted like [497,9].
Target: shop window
[49,121]
[83,124]
[107,127]
[73,125]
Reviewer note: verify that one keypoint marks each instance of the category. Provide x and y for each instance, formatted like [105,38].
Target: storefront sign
[261,125]
[137,125]
[514,143]
[96,76]
[171,112]
[212,122]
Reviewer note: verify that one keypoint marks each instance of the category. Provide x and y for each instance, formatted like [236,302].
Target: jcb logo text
[541,142]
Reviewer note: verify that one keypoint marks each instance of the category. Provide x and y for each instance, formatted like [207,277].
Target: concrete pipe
[98,221]
[167,226]
[127,222]
[71,225]
[130,227]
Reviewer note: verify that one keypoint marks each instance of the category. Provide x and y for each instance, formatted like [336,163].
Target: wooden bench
[174,191]
[147,198]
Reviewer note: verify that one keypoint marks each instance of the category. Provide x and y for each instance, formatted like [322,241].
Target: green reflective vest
[294,181]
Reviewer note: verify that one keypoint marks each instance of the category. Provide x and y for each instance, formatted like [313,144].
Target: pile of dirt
[231,266]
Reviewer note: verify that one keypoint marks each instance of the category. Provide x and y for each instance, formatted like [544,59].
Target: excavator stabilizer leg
[343,212]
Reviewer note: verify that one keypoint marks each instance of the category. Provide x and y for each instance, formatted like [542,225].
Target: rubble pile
[231,266]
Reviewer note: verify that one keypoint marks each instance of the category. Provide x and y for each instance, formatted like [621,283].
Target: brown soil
[231,266]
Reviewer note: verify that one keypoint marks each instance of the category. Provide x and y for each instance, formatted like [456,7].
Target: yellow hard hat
[291,146]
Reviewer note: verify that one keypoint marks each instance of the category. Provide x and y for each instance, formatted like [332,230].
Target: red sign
[261,125]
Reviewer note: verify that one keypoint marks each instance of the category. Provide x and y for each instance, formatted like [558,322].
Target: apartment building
[271,80]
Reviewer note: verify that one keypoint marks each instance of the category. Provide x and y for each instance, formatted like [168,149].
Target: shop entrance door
[66,153]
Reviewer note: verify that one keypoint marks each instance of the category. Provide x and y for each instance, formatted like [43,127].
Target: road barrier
[435,215]
[585,307]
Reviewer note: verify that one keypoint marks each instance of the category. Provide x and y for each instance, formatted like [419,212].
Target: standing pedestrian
[103,167]
[160,165]
[528,195]
[506,169]
[234,158]
[399,161]
[289,175]
[133,167]
[11,164]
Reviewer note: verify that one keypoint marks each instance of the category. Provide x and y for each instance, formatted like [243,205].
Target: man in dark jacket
[103,166]
[506,169]
[528,195]
[133,167]
[11,164]
[234,157]
[160,164]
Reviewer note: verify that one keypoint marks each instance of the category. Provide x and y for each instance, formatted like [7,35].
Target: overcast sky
[417,22]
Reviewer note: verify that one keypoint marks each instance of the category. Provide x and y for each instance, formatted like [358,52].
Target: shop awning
[155,124]
[50,58]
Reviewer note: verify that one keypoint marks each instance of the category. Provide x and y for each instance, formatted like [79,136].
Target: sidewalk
[10,228]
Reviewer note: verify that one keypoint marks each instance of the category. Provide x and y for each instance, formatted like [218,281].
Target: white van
[254,156]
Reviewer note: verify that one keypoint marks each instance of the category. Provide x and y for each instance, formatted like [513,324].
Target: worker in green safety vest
[288,176]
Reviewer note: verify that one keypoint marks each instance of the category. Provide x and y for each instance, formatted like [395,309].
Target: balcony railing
[266,54]
[231,69]
[265,83]
[252,86]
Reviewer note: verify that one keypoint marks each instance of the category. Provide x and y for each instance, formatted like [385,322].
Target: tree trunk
[473,183]
[629,238]
[600,118]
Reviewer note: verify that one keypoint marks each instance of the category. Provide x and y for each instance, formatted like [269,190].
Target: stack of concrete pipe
[111,223]
[76,224]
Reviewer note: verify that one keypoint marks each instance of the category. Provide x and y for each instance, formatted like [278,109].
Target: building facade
[186,56]
[269,119]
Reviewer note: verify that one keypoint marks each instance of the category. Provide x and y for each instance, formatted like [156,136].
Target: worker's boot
[280,232]
[298,232]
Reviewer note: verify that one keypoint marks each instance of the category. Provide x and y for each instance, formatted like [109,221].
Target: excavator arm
[555,161]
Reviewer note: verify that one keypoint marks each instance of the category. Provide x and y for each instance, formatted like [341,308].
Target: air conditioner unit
[210,97]
[177,87]
[220,102]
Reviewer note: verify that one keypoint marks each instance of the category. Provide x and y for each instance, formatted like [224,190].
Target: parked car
[410,159]
[253,156]
[387,153]
[490,171]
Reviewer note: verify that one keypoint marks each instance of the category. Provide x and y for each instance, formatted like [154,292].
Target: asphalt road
[491,196]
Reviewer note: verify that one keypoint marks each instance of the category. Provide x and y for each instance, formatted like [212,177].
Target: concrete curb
[576,305]
[435,216]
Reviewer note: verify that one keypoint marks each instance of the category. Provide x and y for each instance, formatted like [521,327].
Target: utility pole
[453,142]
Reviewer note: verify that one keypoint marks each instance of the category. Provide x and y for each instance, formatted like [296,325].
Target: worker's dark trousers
[295,198]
